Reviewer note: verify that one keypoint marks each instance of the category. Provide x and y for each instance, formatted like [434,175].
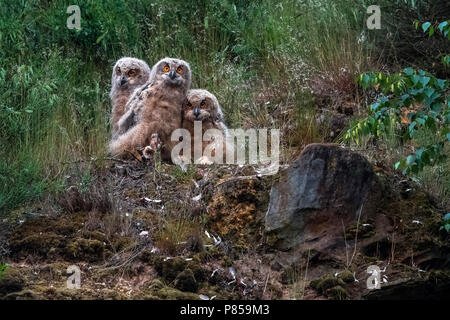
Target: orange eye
[131,73]
[118,71]
[166,68]
[203,105]
[189,107]
[180,70]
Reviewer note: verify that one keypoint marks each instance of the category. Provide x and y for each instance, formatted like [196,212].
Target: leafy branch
[418,94]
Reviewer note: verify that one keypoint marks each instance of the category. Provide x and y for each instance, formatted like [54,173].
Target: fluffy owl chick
[157,107]
[128,74]
[201,105]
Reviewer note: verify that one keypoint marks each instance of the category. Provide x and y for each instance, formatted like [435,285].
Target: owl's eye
[203,105]
[166,68]
[180,70]
[189,106]
[131,73]
[118,72]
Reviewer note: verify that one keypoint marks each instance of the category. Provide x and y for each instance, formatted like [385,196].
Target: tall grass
[54,82]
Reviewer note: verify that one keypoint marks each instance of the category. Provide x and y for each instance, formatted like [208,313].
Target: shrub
[420,96]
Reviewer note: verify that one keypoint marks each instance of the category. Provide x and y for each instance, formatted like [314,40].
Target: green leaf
[425,157]
[425,26]
[421,121]
[429,92]
[440,83]
[100,38]
[419,153]
[442,25]
[411,127]
[424,80]
[366,79]
[446,60]
[409,71]
[447,216]
[410,159]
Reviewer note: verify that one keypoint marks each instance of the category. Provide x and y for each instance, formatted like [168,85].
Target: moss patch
[185,281]
[236,209]
[337,293]
[12,280]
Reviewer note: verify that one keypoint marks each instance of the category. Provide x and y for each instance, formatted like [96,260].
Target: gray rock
[326,188]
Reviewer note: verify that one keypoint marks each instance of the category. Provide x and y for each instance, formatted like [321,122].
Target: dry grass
[177,234]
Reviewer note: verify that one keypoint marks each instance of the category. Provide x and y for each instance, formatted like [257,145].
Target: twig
[345,242]
[306,275]
[267,280]
[95,159]
[356,235]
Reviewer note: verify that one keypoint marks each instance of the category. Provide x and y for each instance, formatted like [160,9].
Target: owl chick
[128,74]
[156,108]
[201,105]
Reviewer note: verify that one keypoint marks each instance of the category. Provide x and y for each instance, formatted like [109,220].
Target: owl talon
[204,161]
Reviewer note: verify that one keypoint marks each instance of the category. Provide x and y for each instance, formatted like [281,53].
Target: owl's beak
[196,112]
[123,81]
[172,75]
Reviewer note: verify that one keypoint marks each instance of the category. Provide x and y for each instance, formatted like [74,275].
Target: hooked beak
[122,80]
[172,75]
[196,112]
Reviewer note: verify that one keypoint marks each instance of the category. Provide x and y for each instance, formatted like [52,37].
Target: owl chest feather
[163,106]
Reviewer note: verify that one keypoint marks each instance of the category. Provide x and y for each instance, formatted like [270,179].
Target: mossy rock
[323,284]
[97,235]
[185,281]
[145,296]
[12,281]
[80,294]
[346,276]
[156,285]
[149,290]
[41,244]
[329,283]
[337,293]
[170,269]
[146,256]
[91,250]
[54,271]
[122,242]
[168,293]
[315,284]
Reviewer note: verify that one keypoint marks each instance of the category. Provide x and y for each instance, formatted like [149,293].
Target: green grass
[54,82]
[436,179]
[3,268]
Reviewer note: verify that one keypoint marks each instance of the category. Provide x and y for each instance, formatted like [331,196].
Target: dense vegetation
[256,56]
